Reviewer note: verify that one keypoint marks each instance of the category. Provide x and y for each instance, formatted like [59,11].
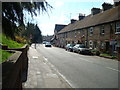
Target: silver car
[48,44]
[80,48]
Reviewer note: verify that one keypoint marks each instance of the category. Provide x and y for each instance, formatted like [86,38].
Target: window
[102,30]
[91,31]
[75,34]
[102,45]
[83,32]
[118,27]
[90,44]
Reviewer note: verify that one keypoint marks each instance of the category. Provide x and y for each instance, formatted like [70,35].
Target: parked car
[69,47]
[44,42]
[48,44]
[80,48]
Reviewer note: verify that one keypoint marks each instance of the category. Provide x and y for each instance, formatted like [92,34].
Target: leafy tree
[29,31]
[37,37]
[12,14]
[32,33]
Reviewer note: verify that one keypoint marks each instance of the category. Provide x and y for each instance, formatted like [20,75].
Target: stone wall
[14,70]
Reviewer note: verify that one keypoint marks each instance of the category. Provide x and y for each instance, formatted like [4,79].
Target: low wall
[14,70]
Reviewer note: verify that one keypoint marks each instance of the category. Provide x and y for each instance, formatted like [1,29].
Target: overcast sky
[63,11]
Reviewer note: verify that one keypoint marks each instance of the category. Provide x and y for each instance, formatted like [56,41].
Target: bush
[95,52]
[20,39]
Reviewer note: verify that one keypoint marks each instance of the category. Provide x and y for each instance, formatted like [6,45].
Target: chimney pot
[81,16]
[106,6]
[73,20]
[95,11]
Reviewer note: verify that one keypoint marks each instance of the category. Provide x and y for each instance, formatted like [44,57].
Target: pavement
[41,74]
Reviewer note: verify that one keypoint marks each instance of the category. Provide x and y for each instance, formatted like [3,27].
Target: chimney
[116,3]
[106,6]
[73,20]
[95,11]
[81,16]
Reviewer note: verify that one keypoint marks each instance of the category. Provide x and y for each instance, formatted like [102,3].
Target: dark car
[69,47]
[80,48]
[48,44]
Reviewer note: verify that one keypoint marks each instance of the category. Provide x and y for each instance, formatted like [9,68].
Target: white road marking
[113,69]
[35,57]
[38,73]
[52,66]
[52,75]
[45,58]
[87,60]
[82,60]
[99,64]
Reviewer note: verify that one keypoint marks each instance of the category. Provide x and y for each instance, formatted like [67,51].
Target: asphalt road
[82,71]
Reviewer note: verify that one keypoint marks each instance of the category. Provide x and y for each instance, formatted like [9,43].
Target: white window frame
[91,44]
[117,31]
[91,31]
[102,45]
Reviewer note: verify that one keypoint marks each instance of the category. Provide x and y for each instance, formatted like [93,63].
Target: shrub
[95,52]
[20,39]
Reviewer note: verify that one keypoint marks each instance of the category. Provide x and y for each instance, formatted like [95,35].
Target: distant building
[47,38]
[58,28]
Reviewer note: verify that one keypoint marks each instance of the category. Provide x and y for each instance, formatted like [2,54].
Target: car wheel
[79,52]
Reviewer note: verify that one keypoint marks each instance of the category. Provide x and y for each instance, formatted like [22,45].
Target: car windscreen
[82,46]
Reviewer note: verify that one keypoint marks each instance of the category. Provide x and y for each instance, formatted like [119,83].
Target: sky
[63,11]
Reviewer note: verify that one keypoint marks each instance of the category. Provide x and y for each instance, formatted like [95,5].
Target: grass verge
[4,55]
[10,43]
[108,55]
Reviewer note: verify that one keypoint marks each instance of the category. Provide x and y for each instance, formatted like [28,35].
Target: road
[82,71]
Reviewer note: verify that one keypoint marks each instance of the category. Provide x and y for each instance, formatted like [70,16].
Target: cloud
[47,28]
[59,4]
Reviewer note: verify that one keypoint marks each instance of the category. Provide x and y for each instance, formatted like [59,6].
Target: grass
[10,43]
[105,54]
[4,55]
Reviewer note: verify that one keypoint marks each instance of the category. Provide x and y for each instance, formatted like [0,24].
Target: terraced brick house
[100,30]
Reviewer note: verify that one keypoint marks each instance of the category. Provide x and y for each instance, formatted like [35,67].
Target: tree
[32,33]
[12,14]
[37,37]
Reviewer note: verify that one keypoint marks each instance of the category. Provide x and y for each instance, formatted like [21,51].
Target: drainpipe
[87,38]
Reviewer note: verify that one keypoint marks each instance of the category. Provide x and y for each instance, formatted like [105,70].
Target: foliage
[37,37]
[95,52]
[12,14]
[29,30]
[32,33]
[9,42]
[20,39]
[5,55]
[105,54]
[114,57]
[108,55]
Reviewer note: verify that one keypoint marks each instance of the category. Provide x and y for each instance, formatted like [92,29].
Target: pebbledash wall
[99,31]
